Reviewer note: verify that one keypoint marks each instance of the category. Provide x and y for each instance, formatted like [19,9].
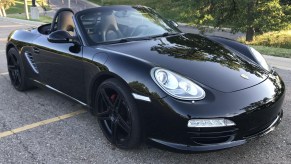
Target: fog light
[209,123]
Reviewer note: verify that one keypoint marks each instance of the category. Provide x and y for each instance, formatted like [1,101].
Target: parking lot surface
[74,136]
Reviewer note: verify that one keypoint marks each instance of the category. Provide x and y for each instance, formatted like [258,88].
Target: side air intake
[31,62]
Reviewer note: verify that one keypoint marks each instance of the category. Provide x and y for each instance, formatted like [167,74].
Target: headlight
[260,58]
[176,85]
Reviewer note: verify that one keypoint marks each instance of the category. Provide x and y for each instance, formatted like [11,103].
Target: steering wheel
[139,30]
[54,22]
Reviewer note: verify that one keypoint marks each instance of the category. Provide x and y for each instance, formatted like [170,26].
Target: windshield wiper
[165,34]
[133,39]
[130,39]
[124,40]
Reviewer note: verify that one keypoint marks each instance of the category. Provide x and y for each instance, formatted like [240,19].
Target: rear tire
[16,71]
[117,114]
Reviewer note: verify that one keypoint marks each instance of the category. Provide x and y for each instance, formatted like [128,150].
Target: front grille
[206,136]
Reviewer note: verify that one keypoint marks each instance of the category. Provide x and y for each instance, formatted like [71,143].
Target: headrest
[109,21]
[65,21]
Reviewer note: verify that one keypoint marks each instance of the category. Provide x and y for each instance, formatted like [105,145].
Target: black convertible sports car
[147,81]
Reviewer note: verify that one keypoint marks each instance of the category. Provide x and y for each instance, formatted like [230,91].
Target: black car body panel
[215,64]
[196,57]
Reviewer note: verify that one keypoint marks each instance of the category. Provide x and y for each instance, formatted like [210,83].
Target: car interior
[63,20]
[100,28]
[116,25]
[106,26]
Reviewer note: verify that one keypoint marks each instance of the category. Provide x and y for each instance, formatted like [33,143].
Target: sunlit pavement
[75,5]
[78,139]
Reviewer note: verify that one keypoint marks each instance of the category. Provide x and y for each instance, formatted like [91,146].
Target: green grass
[17,11]
[276,43]
[273,51]
[18,8]
[280,39]
[45,19]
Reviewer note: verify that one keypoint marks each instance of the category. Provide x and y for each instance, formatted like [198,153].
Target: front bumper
[212,147]
[256,111]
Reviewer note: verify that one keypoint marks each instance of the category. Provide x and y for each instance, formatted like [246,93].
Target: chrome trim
[52,88]
[140,97]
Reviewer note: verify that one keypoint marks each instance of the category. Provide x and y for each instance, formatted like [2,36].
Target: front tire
[117,114]
[16,71]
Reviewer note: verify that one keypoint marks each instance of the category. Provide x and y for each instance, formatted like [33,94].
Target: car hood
[197,58]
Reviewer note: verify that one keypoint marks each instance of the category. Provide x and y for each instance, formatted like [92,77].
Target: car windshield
[112,24]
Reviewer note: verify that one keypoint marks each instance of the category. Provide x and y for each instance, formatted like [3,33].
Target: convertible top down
[147,81]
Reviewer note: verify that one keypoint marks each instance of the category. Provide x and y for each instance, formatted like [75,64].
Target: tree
[5,4]
[249,16]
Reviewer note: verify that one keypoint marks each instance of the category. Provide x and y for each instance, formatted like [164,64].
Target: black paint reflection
[143,89]
[198,48]
[276,87]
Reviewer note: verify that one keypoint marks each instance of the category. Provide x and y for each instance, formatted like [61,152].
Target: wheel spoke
[11,67]
[17,75]
[12,59]
[13,77]
[123,124]
[104,115]
[13,74]
[114,130]
[117,103]
[105,98]
[114,114]
[104,118]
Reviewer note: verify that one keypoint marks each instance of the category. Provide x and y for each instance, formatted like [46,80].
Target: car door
[60,66]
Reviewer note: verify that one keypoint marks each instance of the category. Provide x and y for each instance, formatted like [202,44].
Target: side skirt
[53,89]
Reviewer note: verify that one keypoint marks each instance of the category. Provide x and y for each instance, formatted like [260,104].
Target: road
[78,139]
[75,5]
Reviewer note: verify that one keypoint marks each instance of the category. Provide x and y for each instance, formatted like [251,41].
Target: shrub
[280,39]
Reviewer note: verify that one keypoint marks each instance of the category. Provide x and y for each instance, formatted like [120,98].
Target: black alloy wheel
[16,70]
[117,114]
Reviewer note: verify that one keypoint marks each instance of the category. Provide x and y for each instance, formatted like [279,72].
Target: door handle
[36,50]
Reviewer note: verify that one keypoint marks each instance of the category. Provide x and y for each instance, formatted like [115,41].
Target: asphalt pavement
[75,5]
[78,138]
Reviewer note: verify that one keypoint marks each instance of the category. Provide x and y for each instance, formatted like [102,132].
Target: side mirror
[61,37]
[174,23]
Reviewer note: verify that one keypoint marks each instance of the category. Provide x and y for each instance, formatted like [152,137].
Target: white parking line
[4,73]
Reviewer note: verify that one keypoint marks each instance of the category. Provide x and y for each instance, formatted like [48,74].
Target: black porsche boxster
[146,81]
